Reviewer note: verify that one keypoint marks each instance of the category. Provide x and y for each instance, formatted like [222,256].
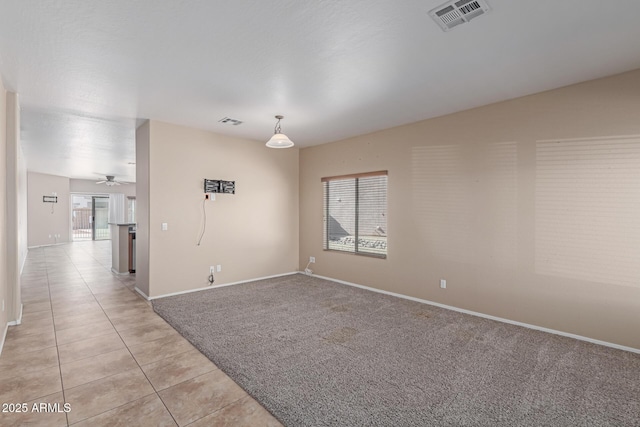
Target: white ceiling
[85,70]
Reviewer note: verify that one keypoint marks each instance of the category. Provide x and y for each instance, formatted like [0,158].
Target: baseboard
[4,337]
[50,244]
[24,261]
[485,316]
[138,290]
[114,271]
[221,286]
[18,320]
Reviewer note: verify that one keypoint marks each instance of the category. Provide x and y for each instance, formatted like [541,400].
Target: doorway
[89,217]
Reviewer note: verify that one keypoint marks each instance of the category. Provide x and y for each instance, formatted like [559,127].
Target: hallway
[89,340]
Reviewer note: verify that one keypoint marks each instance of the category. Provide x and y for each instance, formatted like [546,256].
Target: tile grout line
[55,335]
[222,407]
[63,254]
[147,378]
[95,299]
[132,356]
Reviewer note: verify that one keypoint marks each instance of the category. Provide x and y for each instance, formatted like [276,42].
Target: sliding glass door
[101,218]
[89,217]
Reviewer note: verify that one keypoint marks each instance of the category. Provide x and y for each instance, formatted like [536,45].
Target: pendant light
[279,140]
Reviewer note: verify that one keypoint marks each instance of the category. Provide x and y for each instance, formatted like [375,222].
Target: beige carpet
[317,353]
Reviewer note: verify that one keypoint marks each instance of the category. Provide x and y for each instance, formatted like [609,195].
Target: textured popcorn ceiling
[86,70]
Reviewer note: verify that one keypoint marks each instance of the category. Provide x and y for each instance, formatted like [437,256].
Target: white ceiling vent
[229,120]
[456,12]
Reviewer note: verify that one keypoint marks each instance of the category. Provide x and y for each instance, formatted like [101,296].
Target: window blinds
[355,213]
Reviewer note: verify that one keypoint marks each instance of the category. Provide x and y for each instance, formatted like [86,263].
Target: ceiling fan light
[279,140]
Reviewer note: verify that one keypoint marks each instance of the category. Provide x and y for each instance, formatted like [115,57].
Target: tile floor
[89,340]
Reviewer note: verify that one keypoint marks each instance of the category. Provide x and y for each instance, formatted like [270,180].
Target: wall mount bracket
[219,186]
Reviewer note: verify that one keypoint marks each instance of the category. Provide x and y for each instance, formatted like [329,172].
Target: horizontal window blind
[355,213]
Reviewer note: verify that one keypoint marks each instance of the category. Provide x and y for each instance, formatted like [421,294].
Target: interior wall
[250,234]
[90,187]
[14,300]
[22,209]
[142,207]
[528,208]
[49,223]
[3,209]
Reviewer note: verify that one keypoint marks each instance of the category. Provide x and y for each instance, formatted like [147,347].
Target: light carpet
[318,353]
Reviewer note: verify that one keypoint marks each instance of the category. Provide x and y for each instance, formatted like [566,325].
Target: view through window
[355,213]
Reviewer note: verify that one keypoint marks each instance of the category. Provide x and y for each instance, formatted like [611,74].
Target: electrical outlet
[443,284]
[165,226]
[219,268]
[212,269]
[312,259]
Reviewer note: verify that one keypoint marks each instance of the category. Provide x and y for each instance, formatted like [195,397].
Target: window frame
[326,207]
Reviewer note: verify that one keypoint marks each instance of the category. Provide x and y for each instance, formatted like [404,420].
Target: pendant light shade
[279,139]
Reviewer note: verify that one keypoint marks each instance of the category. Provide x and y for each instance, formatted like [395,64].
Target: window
[355,213]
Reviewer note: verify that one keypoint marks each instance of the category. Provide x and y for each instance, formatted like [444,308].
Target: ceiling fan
[110,181]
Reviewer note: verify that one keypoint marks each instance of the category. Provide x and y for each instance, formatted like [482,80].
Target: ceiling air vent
[454,13]
[229,120]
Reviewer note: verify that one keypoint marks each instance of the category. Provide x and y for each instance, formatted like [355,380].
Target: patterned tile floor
[88,340]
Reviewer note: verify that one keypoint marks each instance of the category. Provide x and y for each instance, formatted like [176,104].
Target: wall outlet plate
[212,269]
[443,284]
[312,259]
[219,268]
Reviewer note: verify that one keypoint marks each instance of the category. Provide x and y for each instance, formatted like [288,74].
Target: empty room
[320,213]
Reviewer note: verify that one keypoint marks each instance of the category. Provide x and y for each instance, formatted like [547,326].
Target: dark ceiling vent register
[230,121]
[453,13]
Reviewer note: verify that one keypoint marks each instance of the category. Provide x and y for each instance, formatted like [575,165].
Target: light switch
[165,226]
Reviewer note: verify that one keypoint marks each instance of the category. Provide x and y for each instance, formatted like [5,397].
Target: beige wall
[253,233]
[528,208]
[22,208]
[42,222]
[88,186]
[142,206]
[13,212]
[3,207]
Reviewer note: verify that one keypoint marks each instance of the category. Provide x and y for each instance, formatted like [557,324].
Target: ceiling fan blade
[101,182]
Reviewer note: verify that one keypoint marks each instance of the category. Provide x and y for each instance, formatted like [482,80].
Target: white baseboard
[145,296]
[4,337]
[114,271]
[24,261]
[18,320]
[486,316]
[46,246]
[218,286]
